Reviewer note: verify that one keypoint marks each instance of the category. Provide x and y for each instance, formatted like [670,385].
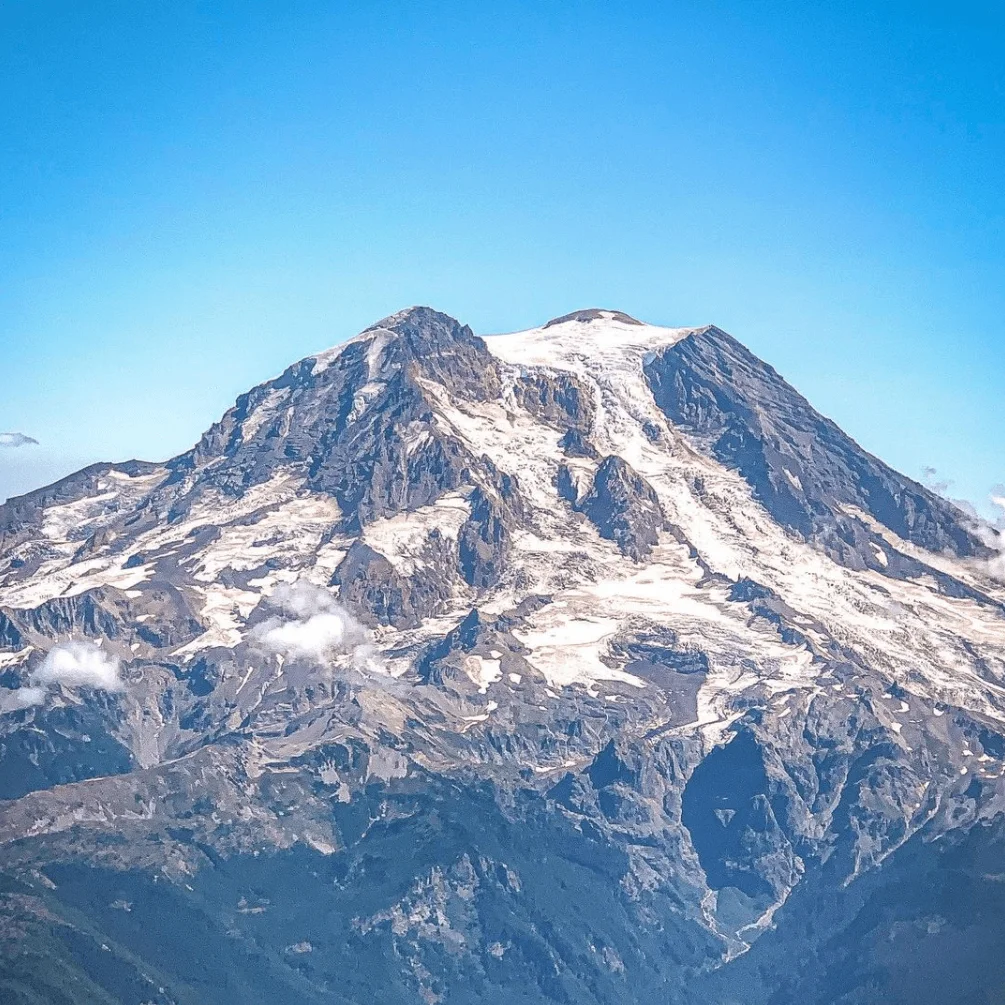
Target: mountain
[587,664]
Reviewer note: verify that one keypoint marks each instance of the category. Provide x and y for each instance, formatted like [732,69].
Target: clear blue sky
[192,195]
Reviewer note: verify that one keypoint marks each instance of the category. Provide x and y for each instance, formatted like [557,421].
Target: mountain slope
[582,664]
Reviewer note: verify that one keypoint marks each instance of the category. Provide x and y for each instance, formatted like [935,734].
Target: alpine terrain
[587,664]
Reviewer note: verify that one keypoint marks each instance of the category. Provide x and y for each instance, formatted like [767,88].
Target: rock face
[586,664]
[624,508]
[804,470]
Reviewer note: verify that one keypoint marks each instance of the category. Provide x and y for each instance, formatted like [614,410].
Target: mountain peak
[417,330]
[612,336]
[591,314]
[483,631]
[415,320]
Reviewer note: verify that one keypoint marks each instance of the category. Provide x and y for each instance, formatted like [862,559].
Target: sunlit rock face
[586,664]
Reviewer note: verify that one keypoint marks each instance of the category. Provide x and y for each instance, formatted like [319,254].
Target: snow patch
[482,671]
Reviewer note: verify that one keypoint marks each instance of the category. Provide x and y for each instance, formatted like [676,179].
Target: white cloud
[71,664]
[27,696]
[78,664]
[931,480]
[16,440]
[998,501]
[367,659]
[317,636]
[313,625]
[995,536]
[992,534]
[304,600]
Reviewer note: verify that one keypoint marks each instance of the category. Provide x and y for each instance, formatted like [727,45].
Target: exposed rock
[377,594]
[10,636]
[483,542]
[560,400]
[575,444]
[624,508]
[593,314]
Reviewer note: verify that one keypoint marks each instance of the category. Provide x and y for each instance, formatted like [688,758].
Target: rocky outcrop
[75,744]
[624,508]
[21,516]
[560,400]
[10,635]
[376,593]
[358,426]
[483,542]
[161,619]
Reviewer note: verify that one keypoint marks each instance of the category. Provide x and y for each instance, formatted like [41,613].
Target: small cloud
[992,534]
[311,624]
[71,664]
[931,480]
[998,501]
[317,636]
[16,440]
[79,664]
[995,537]
[28,696]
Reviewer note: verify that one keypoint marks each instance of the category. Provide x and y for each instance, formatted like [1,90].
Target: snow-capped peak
[617,582]
[594,333]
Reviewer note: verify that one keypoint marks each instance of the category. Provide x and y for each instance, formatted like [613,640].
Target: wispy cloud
[72,664]
[994,534]
[998,501]
[29,695]
[16,440]
[990,532]
[931,480]
[311,624]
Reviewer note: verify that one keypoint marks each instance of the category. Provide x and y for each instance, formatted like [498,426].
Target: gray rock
[560,400]
[374,591]
[624,508]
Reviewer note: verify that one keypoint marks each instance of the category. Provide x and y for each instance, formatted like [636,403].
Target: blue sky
[192,195]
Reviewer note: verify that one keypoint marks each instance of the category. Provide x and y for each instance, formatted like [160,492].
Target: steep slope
[583,664]
[806,472]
